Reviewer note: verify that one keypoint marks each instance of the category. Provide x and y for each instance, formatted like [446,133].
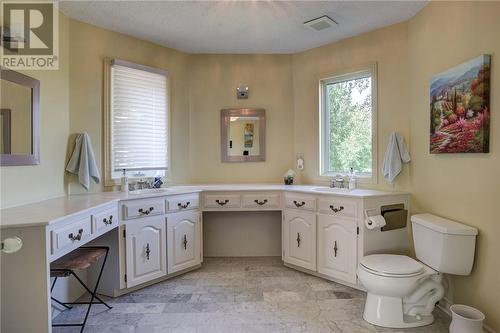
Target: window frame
[108,154]
[323,145]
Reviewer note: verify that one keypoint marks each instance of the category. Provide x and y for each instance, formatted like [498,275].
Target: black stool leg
[95,290]
[90,292]
[56,300]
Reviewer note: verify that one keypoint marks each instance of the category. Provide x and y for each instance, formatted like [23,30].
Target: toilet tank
[445,245]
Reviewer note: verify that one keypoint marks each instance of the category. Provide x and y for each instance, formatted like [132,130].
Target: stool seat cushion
[80,258]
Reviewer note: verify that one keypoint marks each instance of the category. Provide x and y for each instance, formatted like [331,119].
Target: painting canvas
[460,108]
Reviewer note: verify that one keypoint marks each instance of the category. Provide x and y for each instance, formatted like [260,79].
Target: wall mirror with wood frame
[243,135]
[19,119]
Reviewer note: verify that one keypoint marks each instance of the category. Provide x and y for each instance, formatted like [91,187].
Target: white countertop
[50,211]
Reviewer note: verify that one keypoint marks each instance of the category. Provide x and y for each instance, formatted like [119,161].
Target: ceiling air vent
[320,23]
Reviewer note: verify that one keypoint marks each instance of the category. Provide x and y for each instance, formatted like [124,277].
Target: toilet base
[387,311]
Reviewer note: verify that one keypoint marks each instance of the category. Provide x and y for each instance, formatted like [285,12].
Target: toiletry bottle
[124,182]
[352,179]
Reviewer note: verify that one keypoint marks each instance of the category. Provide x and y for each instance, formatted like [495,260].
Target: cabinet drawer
[104,220]
[304,202]
[261,200]
[142,208]
[334,206]
[182,202]
[222,201]
[71,235]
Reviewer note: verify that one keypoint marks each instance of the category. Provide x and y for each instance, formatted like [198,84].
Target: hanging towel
[82,162]
[395,155]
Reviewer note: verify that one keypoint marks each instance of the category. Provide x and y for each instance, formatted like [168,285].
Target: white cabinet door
[299,237]
[337,244]
[183,239]
[146,249]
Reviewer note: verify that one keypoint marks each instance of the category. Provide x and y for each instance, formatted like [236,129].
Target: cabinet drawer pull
[260,203]
[299,204]
[181,206]
[148,251]
[185,242]
[222,203]
[298,239]
[336,210]
[146,212]
[107,221]
[76,237]
[335,249]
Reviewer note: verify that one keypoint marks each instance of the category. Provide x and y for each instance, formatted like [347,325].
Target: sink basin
[149,191]
[331,189]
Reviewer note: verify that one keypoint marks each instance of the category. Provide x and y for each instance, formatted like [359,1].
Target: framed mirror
[19,119]
[243,135]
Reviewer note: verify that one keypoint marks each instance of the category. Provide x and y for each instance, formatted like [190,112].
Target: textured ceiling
[239,26]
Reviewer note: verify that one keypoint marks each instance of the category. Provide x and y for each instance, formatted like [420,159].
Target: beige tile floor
[234,295]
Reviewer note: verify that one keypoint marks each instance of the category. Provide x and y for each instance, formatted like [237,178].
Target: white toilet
[402,292]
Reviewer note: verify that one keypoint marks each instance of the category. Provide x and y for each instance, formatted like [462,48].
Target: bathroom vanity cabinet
[325,235]
[146,250]
[299,238]
[158,235]
[184,241]
[337,247]
[162,236]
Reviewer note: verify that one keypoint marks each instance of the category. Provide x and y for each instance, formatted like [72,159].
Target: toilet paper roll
[376,221]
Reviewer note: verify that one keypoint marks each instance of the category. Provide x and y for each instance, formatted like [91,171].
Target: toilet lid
[392,264]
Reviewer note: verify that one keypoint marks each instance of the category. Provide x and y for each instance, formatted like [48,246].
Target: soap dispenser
[124,182]
[352,180]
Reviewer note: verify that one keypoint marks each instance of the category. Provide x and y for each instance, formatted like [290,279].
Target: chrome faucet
[143,184]
[337,182]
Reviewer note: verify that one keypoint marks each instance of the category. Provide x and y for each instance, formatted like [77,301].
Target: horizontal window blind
[139,121]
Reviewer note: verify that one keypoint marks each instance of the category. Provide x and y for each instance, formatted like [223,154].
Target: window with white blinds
[139,120]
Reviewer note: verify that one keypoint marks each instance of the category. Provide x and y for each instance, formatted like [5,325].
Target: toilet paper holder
[395,216]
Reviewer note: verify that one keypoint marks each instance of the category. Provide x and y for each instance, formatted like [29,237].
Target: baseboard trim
[445,304]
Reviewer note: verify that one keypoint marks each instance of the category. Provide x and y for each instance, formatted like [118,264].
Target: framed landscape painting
[460,108]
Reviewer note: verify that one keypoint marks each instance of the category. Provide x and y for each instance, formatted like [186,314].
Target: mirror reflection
[243,138]
[15,119]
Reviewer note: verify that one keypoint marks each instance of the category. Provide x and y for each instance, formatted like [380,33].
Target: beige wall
[463,187]
[244,234]
[213,82]
[387,47]
[89,46]
[25,184]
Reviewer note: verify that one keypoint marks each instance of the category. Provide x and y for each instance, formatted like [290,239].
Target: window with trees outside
[347,125]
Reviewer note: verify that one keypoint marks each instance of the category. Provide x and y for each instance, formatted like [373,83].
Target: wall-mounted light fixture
[242,92]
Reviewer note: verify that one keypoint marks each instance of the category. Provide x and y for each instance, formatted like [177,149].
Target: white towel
[82,162]
[395,155]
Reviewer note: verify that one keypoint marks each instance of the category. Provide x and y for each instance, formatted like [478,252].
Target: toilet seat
[391,265]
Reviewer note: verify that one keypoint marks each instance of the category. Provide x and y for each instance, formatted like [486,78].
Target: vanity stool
[66,266]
